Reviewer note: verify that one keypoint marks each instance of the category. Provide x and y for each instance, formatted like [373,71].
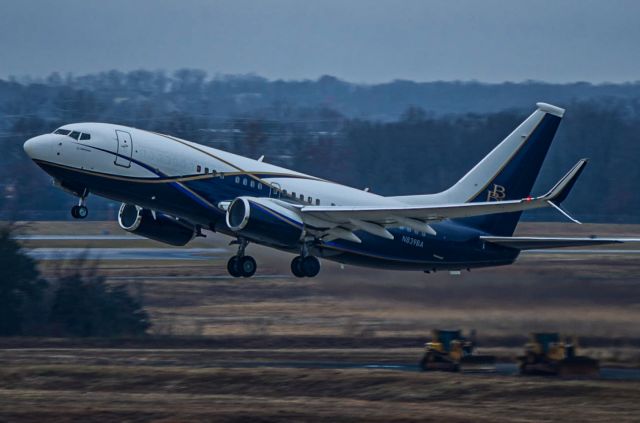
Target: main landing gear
[305,265]
[80,211]
[241,265]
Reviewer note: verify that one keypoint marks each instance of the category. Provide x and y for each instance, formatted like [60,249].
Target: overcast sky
[356,40]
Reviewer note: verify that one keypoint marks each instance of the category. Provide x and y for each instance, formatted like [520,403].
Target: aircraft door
[274,190]
[124,149]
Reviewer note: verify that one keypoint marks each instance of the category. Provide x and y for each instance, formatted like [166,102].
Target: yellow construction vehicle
[450,351]
[550,354]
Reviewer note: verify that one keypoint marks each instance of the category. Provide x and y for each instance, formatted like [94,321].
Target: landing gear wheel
[310,266]
[247,266]
[82,212]
[305,266]
[233,267]
[296,267]
[79,212]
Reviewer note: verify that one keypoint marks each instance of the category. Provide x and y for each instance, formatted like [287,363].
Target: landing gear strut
[80,211]
[305,265]
[241,265]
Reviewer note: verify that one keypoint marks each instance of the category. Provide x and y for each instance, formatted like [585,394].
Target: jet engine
[265,220]
[155,225]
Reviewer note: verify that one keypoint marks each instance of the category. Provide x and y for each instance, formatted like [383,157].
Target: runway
[127,253]
[503,369]
[155,253]
[205,358]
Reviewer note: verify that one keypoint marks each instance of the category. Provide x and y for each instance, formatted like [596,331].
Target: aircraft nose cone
[37,147]
[30,146]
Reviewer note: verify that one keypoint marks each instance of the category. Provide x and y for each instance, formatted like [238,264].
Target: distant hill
[400,137]
[193,91]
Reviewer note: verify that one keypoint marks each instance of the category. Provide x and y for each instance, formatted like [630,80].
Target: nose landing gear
[241,265]
[80,211]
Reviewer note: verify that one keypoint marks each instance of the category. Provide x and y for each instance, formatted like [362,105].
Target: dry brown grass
[344,315]
[169,393]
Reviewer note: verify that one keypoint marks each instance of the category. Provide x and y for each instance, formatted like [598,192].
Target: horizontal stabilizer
[535,242]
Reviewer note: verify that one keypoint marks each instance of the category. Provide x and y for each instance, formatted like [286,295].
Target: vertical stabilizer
[508,172]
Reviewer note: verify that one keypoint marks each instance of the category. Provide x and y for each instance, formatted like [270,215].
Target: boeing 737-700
[172,189]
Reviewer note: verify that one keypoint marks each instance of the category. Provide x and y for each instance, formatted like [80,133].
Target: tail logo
[498,193]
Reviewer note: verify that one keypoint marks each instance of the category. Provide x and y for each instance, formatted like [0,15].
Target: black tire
[233,267]
[296,267]
[310,266]
[82,212]
[74,212]
[247,266]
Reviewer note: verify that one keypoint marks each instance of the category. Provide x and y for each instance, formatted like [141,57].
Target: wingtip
[561,190]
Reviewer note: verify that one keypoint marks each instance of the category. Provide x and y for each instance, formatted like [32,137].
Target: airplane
[172,189]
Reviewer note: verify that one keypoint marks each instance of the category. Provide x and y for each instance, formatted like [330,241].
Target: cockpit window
[76,135]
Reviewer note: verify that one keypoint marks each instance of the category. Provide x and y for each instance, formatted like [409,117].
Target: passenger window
[293,194]
[259,185]
[62,131]
[85,136]
[284,191]
[237,179]
[206,170]
[333,204]
[317,202]
[301,197]
[309,200]
[244,181]
[198,168]
[253,183]
[75,135]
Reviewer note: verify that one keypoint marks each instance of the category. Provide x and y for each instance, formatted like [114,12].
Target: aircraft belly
[454,247]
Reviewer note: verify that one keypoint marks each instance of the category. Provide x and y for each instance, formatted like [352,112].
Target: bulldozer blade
[579,366]
[478,363]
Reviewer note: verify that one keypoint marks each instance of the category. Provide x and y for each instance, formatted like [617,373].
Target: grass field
[204,322]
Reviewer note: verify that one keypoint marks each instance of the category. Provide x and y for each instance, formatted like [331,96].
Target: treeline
[77,303]
[396,138]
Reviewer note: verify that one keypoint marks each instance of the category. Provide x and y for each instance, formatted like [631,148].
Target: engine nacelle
[157,226]
[262,219]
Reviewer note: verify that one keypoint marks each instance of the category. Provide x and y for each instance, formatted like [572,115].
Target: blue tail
[516,176]
[508,172]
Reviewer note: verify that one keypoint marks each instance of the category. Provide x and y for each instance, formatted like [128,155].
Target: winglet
[561,189]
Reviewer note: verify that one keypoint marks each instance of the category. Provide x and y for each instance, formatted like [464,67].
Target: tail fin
[508,172]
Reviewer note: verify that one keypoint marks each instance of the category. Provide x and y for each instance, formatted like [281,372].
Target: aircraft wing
[538,242]
[373,219]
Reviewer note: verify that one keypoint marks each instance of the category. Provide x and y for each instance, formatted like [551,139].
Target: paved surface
[128,253]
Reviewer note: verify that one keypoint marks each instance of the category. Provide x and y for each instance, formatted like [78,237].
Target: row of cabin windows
[82,136]
[253,184]
[249,182]
[301,197]
[206,171]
